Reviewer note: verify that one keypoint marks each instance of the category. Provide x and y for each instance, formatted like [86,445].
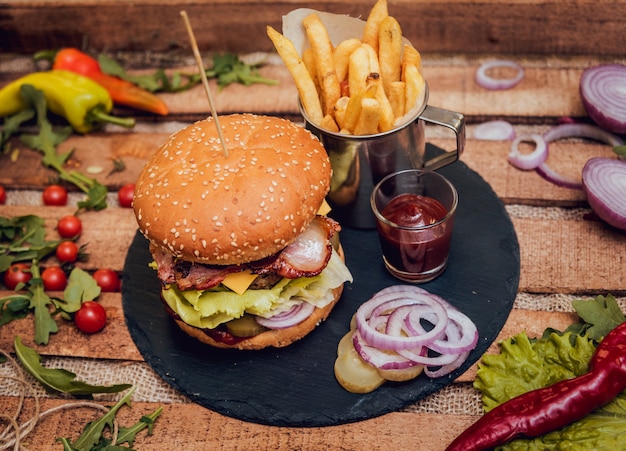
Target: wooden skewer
[205,82]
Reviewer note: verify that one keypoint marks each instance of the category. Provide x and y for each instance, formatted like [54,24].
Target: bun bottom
[277,338]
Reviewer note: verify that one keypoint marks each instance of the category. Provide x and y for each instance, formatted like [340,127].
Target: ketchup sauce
[415,251]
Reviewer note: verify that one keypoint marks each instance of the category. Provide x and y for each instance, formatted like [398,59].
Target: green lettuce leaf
[210,308]
[524,365]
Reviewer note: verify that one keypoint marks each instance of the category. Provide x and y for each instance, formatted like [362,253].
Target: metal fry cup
[360,161]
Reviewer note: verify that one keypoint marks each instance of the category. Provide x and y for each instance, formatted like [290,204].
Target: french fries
[324,64]
[304,82]
[361,86]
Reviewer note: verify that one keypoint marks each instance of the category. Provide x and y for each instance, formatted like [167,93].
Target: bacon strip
[307,256]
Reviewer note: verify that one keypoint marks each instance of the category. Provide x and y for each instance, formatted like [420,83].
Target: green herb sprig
[226,69]
[46,141]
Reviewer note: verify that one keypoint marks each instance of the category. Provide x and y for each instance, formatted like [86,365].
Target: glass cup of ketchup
[414,212]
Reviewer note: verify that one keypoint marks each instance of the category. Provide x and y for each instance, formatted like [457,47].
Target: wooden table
[565,253]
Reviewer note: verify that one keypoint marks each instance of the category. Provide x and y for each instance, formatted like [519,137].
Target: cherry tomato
[54,279]
[90,318]
[3,195]
[16,274]
[67,251]
[69,226]
[55,195]
[107,280]
[125,195]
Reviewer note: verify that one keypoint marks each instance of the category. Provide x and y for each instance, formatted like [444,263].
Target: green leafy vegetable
[226,69]
[58,380]
[93,431]
[524,365]
[600,316]
[22,238]
[39,302]
[620,150]
[12,125]
[93,437]
[527,364]
[128,434]
[46,141]
[81,287]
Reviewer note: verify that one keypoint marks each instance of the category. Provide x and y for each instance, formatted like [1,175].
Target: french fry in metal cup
[362,154]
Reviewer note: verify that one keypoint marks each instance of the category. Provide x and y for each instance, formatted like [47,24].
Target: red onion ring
[494,131]
[295,315]
[379,358]
[603,94]
[489,82]
[604,182]
[383,302]
[528,161]
[390,334]
[573,131]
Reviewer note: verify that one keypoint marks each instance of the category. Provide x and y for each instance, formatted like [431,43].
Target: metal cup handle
[455,122]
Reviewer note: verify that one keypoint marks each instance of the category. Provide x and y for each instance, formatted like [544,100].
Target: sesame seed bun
[206,207]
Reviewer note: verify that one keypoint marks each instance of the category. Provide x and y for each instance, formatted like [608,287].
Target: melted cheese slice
[324,209]
[239,282]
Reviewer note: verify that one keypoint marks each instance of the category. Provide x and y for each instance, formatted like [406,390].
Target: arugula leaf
[620,150]
[600,315]
[13,307]
[23,238]
[81,287]
[93,431]
[58,380]
[39,302]
[12,124]
[226,69]
[46,141]
[127,435]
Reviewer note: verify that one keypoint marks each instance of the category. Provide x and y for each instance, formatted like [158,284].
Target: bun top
[203,206]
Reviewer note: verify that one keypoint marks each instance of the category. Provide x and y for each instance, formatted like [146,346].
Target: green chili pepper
[77,98]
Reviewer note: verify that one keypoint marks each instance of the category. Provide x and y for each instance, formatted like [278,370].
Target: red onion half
[604,183]
[603,93]
[489,82]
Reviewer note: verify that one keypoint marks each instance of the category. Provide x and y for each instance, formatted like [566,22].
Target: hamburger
[240,242]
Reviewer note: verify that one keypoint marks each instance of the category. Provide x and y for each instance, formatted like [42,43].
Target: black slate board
[295,386]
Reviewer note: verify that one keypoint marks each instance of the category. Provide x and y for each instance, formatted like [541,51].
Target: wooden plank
[196,428]
[452,26]
[557,253]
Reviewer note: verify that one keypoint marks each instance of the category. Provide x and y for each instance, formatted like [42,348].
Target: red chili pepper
[121,91]
[540,411]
